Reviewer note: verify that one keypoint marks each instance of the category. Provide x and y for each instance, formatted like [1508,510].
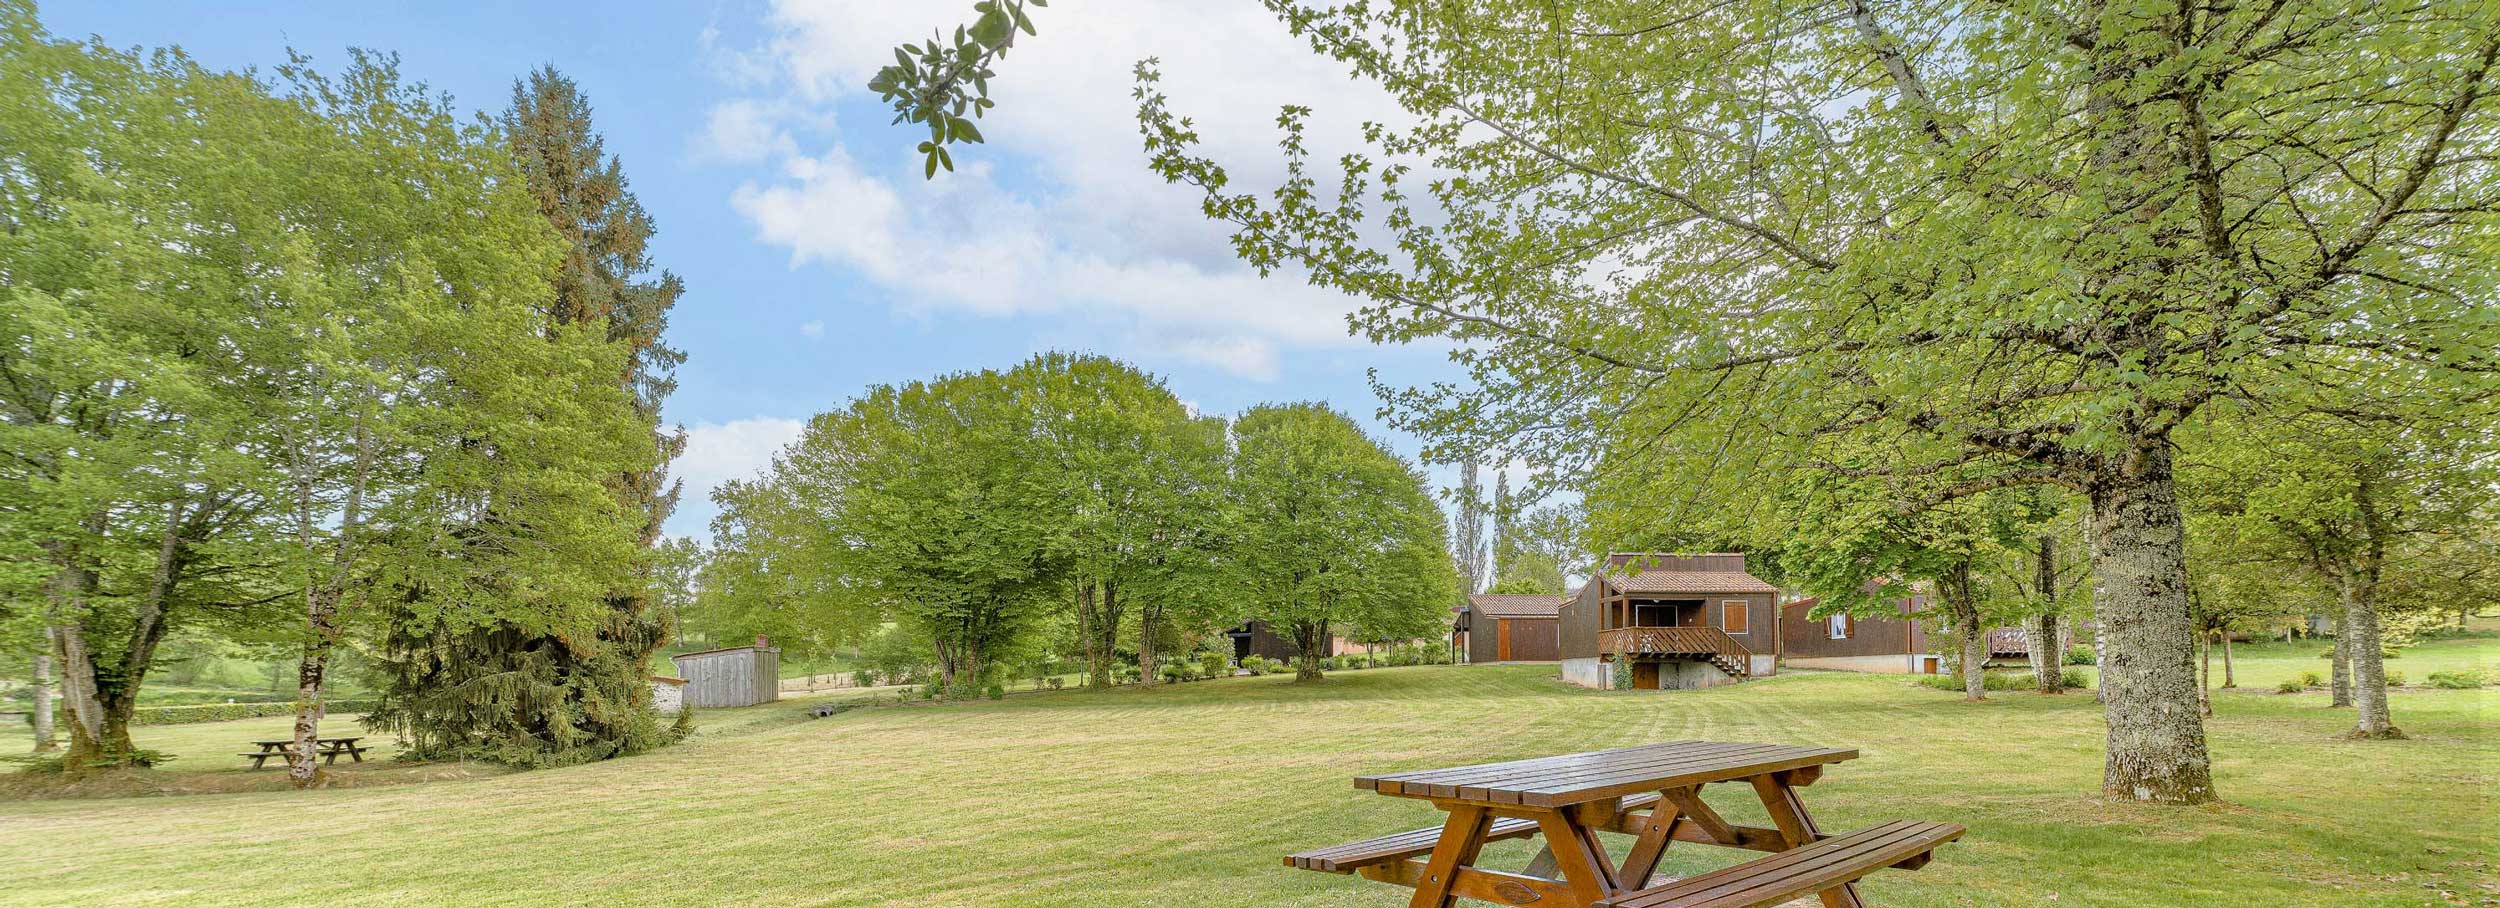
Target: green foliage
[2312,679]
[219,712]
[511,686]
[2458,680]
[1211,665]
[938,81]
[2080,655]
[1335,531]
[2290,687]
[2005,681]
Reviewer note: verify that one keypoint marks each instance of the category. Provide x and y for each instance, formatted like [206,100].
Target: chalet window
[1837,626]
[1733,616]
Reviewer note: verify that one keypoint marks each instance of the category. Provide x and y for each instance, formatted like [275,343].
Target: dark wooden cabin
[1670,621]
[1508,628]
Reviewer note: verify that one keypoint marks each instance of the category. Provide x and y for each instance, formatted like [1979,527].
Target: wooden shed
[737,676]
[1505,628]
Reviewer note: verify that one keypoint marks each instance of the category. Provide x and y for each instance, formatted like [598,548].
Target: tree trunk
[2229,680]
[2204,675]
[311,679]
[2369,670]
[2340,673]
[1310,637]
[1147,659]
[1088,629]
[42,683]
[2048,647]
[1962,608]
[2156,739]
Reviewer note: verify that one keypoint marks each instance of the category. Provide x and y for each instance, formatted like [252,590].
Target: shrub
[996,691]
[2395,679]
[2290,687]
[1211,665]
[2003,681]
[2078,655]
[1173,672]
[2312,679]
[863,678]
[2462,680]
[1057,682]
[219,712]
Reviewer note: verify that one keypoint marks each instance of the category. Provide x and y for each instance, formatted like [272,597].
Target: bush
[2460,680]
[2078,655]
[1212,665]
[2290,687]
[863,678]
[2312,679]
[1057,682]
[995,691]
[1173,672]
[219,712]
[2395,679]
[2003,681]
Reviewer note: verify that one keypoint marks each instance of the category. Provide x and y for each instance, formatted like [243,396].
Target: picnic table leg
[1642,860]
[1578,854]
[1788,812]
[1462,837]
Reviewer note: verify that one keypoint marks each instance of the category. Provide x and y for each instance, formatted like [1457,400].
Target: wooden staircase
[1703,644]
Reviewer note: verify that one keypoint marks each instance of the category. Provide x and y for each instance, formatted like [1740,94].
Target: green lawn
[1189,795]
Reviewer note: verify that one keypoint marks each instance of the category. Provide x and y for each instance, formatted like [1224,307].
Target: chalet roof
[1510,606]
[1657,581]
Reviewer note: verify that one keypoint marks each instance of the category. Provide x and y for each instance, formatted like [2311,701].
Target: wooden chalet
[1670,621]
[1904,645]
[1508,628]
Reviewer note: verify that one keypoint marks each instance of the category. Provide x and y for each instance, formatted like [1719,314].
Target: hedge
[219,712]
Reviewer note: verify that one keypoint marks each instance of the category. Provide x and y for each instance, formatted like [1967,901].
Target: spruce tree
[499,691]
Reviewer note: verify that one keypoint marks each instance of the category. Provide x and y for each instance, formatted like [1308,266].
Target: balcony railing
[1706,643]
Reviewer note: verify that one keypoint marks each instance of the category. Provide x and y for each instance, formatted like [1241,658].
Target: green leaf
[993,29]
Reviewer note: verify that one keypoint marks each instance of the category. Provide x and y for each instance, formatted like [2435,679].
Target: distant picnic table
[1653,793]
[331,750]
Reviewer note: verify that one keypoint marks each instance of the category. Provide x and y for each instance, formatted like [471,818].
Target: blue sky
[817,261]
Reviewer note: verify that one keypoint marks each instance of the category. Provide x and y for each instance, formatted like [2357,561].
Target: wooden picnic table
[1653,793]
[331,750]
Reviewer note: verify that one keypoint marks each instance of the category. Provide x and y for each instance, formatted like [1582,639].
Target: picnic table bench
[1653,793]
[331,750]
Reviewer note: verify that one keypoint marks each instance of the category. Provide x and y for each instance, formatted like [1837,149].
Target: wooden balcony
[1707,644]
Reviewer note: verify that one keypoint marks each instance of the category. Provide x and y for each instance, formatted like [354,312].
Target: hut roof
[1536,605]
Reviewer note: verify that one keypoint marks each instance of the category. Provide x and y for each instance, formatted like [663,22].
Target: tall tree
[1139,477]
[1336,531]
[2347,495]
[1696,241]
[134,232]
[588,697]
[1467,532]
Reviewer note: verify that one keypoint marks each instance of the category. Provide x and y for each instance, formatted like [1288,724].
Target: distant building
[1884,645]
[1653,621]
[737,676]
[1511,628]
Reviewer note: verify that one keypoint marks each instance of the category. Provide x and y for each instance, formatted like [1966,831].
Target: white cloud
[1100,241]
[739,449]
[812,330]
[744,131]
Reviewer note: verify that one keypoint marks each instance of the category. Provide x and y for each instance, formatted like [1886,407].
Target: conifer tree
[500,691]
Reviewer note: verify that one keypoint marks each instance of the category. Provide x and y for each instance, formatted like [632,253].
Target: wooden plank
[1687,757]
[1462,838]
[1592,789]
[1352,856]
[1650,844]
[1579,858]
[1427,775]
[1788,812]
[1698,757]
[1783,876]
[1478,883]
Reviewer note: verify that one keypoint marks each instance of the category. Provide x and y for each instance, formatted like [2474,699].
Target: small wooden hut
[737,676]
